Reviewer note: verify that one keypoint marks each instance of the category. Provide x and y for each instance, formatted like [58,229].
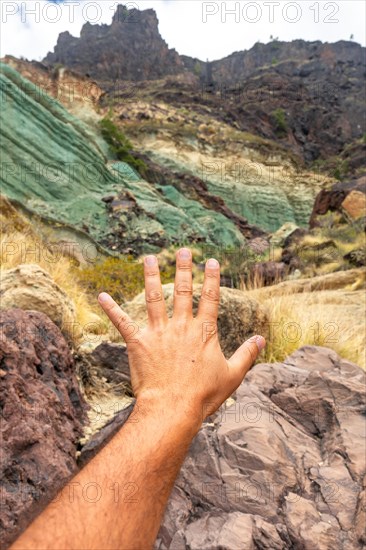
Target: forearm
[118,499]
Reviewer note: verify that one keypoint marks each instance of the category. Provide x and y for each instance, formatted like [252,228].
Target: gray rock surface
[281,468]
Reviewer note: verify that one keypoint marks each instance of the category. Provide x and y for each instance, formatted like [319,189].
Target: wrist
[170,412]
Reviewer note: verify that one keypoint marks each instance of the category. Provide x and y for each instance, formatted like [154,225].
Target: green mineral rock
[54,165]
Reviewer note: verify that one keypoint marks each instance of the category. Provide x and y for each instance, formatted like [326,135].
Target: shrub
[123,279]
[120,146]
[279,117]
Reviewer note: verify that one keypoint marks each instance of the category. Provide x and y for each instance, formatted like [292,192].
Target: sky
[207,30]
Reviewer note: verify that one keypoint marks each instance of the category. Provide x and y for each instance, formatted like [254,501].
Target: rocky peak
[131,48]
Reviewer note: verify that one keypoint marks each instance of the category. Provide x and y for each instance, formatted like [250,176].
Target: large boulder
[335,199]
[240,316]
[43,414]
[282,467]
[354,205]
[30,287]
[286,230]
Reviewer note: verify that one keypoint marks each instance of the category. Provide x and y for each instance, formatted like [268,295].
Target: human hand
[179,361]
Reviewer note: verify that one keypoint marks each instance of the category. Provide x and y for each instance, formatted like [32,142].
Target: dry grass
[333,319]
[19,248]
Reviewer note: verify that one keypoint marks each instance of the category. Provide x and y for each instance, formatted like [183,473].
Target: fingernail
[104,298]
[184,254]
[150,260]
[260,341]
[213,263]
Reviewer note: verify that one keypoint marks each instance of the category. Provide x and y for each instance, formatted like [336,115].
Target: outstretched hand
[179,361]
[179,375]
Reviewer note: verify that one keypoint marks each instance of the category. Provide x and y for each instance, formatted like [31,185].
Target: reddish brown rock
[269,273]
[354,205]
[42,416]
[330,200]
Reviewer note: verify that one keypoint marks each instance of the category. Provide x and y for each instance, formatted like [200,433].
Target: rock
[354,205]
[131,48]
[240,316]
[325,77]
[331,200]
[101,438]
[43,414]
[294,237]
[282,467]
[278,238]
[356,257]
[29,287]
[258,245]
[269,273]
[351,279]
[112,362]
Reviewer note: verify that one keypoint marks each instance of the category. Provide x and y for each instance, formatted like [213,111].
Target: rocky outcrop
[354,205]
[351,279]
[38,178]
[280,468]
[31,288]
[240,316]
[43,414]
[264,89]
[267,87]
[78,93]
[104,369]
[268,273]
[131,48]
[332,199]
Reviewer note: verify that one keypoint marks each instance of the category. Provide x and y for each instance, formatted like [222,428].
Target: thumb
[244,357]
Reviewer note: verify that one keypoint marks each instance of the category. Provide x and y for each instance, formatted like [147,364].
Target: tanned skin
[179,376]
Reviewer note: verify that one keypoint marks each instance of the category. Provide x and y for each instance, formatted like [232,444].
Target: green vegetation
[120,145]
[121,278]
[279,117]
[197,69]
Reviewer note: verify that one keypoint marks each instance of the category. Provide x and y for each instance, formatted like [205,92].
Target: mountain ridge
[307,96]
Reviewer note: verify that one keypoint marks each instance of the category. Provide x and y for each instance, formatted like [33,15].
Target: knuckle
[115,311]
[183,289]
[152,272]
[121,320]
[184,266]
[212,274]
[211,295]
[154,296]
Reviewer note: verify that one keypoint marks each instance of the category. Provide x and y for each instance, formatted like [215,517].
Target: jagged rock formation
[331,199]
[282,467]
[264,89]
[43,413]
[131,48]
